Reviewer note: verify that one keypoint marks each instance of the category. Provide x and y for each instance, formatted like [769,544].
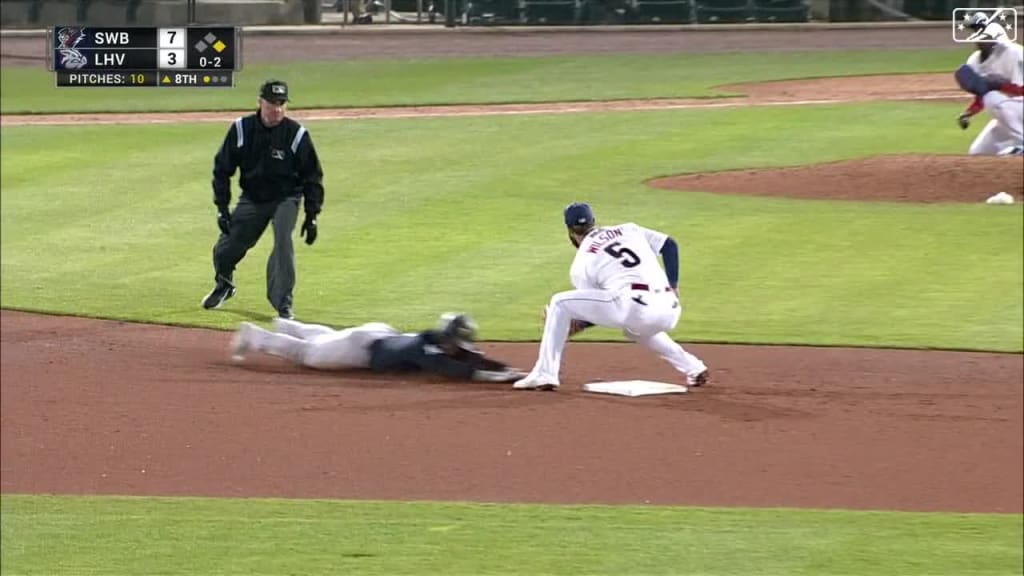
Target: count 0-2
[205,62]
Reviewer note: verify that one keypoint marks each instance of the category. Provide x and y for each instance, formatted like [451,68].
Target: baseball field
[859,304]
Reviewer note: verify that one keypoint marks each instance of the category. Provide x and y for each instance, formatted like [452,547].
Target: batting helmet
[458,328]
[978,21]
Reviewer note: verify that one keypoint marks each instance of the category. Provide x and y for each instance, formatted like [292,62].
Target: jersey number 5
[626,257]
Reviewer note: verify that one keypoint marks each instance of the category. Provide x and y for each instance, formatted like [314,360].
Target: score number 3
[172,58]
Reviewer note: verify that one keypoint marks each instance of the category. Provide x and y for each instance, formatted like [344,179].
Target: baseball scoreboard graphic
[109,57]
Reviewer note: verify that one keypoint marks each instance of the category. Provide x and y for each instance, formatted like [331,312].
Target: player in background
[994,73]
[619,284]
[446,350]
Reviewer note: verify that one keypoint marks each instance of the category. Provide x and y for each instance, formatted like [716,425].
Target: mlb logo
[984,24]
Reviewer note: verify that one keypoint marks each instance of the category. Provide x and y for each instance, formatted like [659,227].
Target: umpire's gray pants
[248,221]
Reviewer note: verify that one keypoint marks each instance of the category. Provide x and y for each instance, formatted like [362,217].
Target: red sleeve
[975,106]
[1012,89]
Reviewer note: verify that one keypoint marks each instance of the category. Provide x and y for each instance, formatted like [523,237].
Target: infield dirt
[103,407]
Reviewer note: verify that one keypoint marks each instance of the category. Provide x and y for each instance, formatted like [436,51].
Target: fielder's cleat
[536,382]
[241,342]
[286,313]
[698,380]
[220,294]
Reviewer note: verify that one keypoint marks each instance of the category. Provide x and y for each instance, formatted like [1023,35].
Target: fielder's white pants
[1005,130]
[320,347]
[643,316]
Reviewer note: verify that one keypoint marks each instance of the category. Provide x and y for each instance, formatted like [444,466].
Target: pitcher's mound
[917,178]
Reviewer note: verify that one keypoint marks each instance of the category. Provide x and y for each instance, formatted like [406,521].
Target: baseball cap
[578,214]
[274,91]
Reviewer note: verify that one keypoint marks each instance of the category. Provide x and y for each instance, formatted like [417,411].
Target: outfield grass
[427,215]
[131,536]
[474,80]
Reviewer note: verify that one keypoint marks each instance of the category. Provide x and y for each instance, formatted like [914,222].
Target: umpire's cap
[275,91]
[458,328]
[579,214]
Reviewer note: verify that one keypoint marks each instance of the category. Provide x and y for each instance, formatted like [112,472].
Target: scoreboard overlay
[194,56]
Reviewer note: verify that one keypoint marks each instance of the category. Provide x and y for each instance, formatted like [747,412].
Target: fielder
[446,351]
[619,284]
[994,73]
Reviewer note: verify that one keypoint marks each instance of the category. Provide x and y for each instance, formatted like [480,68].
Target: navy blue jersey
[419,353]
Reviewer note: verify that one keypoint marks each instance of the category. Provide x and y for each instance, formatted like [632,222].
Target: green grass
[436,214]
[473,80]
[131,536]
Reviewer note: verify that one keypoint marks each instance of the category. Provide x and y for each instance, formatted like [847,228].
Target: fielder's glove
[578,326]
[575,327]
[309,229]
[224,221]
[964,120]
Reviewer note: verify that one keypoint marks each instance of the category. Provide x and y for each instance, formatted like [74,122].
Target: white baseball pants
[644,316]
[320,347]
[1005,130]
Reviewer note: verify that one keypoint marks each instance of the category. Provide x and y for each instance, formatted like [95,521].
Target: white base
[1000,198]
[634,388]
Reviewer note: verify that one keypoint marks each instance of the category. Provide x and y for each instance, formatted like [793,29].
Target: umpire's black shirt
[274,163]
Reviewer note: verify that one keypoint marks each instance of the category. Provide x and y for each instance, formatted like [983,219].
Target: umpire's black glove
[224,220]
[309,229]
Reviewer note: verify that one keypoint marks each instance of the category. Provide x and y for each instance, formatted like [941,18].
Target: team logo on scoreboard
[70,57]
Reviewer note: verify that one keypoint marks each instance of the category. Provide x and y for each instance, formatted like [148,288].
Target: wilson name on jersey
[613,257]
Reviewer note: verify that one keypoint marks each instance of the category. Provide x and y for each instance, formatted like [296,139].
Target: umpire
[277,165]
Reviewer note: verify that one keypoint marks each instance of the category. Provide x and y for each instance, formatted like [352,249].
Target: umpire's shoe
[220,294]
